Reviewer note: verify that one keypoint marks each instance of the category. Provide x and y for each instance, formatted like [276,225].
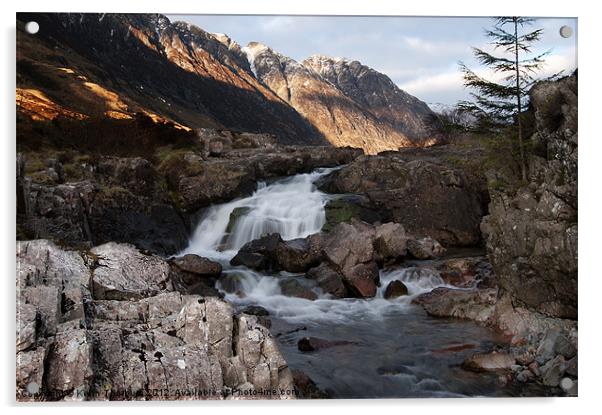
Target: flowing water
[392,348]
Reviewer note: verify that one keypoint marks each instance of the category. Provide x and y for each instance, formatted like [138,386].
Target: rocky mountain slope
[345,113]
[82,66]
[376,93]
[119,66]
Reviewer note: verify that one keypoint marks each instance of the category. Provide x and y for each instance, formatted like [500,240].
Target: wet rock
[425,248]
[306,387]
[198,265]
[293,288]
[525,376]
[256,310]
[350,250]
[361,279]
[489,362]
[236,214]
[328,279]
[124,273]
[476,305]
[552,371]
[572,367]
[311,344]
[260,254]
[391,241]
[395,289]
[297,255]
[555,343]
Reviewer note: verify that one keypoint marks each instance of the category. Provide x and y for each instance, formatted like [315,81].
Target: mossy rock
[235,215]
[338,211]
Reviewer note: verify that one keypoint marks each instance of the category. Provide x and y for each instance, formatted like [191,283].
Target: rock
[71,371]
[30,374]
[532,232]
[401,189]
[256,310]
[395,289]
[349,248]
[195,264]
[236,214]
[49,279]
[525,376]
[361,279]
[555,343]
[552,371]
[26,326]
[391,241]
[425,248]
[306,387]
[489,362]
[297,255]
[572,367]
[328,279]
[293,288]
[260,254]
[311,344]
[478,305]
[125,273]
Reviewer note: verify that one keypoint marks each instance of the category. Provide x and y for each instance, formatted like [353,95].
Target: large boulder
[349,248]
[532,232]
[427,198]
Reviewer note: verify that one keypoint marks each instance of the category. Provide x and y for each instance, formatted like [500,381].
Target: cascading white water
[292,207]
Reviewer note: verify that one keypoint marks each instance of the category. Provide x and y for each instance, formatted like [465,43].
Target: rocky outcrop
[428,198]
[107,325]
[376,93]
[170,70]
[198,183]
[532,232]
[129,199]
[343,118]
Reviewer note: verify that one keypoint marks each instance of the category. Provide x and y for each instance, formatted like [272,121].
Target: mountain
[343,116]
[124,66]
[377,94]
[117,65]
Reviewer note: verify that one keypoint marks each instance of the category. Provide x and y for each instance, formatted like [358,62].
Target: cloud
[278,24]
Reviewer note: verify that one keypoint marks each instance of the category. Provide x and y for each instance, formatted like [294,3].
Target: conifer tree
[498,105]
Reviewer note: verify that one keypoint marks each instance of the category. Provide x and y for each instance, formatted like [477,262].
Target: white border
[590,156]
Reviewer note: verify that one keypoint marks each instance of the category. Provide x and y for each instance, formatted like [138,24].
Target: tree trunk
[523,167]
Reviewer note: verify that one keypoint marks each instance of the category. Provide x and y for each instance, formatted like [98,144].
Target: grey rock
[425,248]
[71,371]
[395,289]
[552,371]
[125,273]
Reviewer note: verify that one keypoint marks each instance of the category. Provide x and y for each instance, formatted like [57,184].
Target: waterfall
[292,207]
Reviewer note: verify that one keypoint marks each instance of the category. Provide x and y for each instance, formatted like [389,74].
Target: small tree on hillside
[497,105]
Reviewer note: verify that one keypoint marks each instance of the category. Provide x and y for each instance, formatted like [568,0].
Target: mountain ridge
[116,65]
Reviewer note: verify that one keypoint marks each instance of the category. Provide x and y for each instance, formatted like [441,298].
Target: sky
[420,54]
